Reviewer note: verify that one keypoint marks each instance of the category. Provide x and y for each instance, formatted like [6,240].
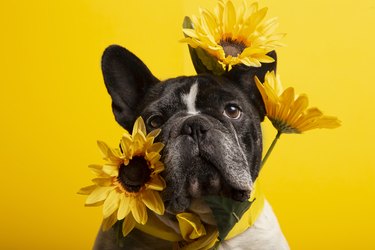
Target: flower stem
[269,151]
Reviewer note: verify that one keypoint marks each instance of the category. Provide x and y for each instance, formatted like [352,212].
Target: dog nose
[196,127]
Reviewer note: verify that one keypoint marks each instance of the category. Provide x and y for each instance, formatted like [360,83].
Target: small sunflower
[129,181]
[289,113]
[235,36]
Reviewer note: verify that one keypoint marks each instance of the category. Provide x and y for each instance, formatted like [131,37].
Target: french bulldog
[210,126]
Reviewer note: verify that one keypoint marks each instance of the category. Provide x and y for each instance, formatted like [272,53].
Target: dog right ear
[127,80]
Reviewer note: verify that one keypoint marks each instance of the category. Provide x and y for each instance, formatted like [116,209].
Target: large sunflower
[288,112]
[234,37]
[129,181]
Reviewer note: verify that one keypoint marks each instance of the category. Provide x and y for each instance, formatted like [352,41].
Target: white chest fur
[265,234]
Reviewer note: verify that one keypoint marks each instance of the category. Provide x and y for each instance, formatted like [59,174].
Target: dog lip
[244,184]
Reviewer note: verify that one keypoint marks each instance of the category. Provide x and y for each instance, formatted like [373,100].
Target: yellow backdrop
[54,107]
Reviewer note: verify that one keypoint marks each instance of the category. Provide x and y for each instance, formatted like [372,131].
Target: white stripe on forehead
[190,98]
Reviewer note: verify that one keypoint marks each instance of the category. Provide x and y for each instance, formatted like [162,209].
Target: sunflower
[129,182]
[288,112]
[234,37]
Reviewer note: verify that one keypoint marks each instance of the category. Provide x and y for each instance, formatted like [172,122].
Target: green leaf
[203,62]
[210,62]
[227,212]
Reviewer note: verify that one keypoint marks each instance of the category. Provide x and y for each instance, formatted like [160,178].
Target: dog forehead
[191,93]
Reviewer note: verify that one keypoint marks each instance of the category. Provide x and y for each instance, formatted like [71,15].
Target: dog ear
[244,76]
[127,80]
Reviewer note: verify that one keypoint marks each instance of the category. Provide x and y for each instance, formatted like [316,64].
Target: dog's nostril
[195,130]
[186,130]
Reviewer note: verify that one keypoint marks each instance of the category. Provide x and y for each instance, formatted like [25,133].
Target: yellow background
[54,106]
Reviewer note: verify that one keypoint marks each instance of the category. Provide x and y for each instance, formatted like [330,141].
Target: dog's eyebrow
[190,98]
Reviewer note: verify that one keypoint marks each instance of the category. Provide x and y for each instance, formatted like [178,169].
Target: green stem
[269,151]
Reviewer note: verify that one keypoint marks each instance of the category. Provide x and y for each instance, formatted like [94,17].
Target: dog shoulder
[265,234]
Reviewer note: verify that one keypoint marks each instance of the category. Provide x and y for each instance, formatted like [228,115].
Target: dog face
[210,125]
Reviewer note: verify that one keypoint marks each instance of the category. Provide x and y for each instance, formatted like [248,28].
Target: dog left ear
[244,76]
[127,80]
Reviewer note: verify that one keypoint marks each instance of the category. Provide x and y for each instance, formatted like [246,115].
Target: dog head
[210,124]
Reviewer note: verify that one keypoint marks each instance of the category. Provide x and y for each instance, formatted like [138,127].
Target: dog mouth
[195,169]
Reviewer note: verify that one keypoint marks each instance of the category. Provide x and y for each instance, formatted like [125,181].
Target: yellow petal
[126,144]
[111,203]
[124,207]
[329,122]
[157,167]
[264,58]
[139,127]
[139,212]
[205,242]
[153,157]
[190,33]
[260,88]
[310,116]
[322,122]
[109,222]
[156,147]
[127,225]
[110,169]
[156,183]
[154,133]
[96,204]
[297,108]
[96,169]
[87,190]
[286,99]
[108,153]
[104,182]
[153,201]
[190,226]
[230,16]
[138,144]
[99,194]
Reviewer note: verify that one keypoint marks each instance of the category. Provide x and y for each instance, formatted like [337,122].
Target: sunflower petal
[158,167]
[139,127]
[127,225]
[156,147]
[103,182]
[139,212]
[156,183]
[190,226]
[109,222]
[124,207]
[110,169]
[87,190]
[108,153]
[111,204]
[153,157]
[296,109]
[153,201]
[99,194]
[96,169]
[229,17]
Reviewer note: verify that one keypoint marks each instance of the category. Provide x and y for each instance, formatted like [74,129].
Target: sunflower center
[232,47]
[133,176]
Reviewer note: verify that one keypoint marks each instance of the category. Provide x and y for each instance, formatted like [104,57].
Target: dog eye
[232,111]
[155,121]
